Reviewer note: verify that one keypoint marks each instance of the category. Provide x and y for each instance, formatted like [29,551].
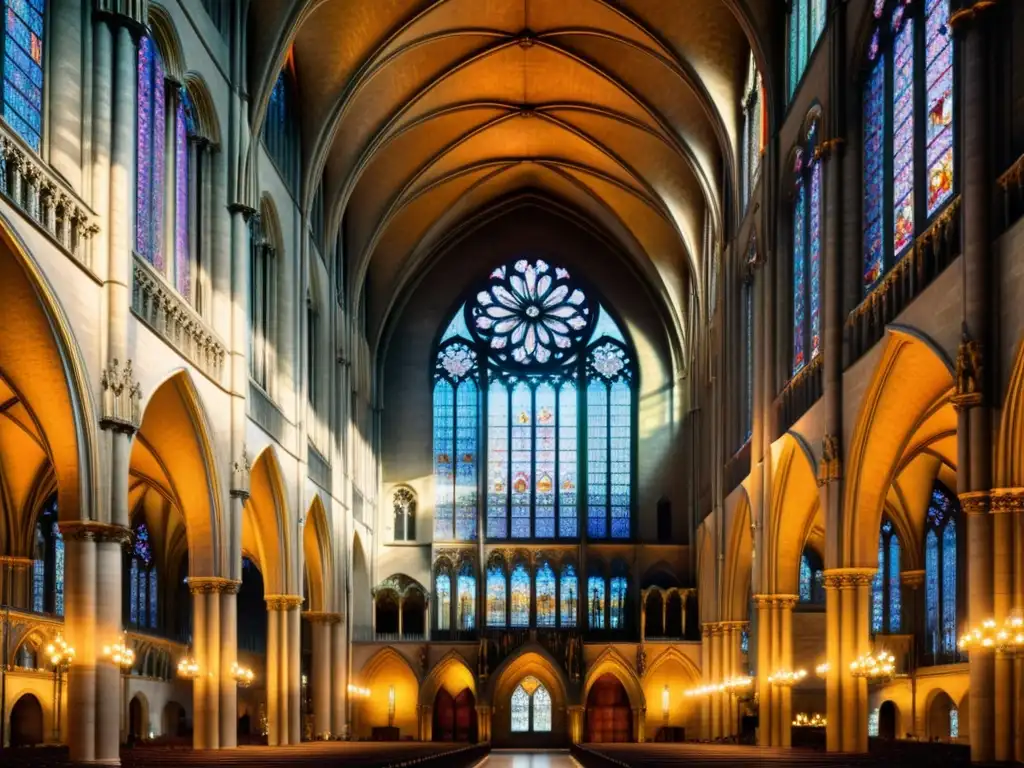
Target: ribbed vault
[416,115]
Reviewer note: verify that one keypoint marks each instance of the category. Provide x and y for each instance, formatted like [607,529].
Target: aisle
[552,759]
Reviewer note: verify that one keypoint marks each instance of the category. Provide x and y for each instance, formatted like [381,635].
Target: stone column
[766,710]
[228,704]
[426,722]
[786,662]
[295,670]
[848,624]
[320,624]
[276,735]
[639,724]
[108,631]
[483,723]
[339,667]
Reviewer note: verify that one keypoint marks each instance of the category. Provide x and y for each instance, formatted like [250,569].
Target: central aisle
[554,759]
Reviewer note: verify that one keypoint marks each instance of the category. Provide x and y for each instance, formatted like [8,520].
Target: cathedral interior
[630,379]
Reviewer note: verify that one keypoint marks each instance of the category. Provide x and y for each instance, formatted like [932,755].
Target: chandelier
[1009,638]
[188,668]
[243,676]
[880,666]
[783,678]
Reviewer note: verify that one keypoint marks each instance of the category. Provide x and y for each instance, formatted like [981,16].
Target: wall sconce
[665,703]
[783,678]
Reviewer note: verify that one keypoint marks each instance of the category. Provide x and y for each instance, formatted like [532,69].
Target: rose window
[531,312]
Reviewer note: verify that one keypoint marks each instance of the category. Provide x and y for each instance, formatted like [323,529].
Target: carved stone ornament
[912,578]
[849,578]
[321,617]
[122,397]
[976,502]
[14,562]
[283,602]
[969,372]
[211,585]
[781,600]
[240,476]
[829,468]
[828,147]
[92,530]
[641,661]
[1007,500]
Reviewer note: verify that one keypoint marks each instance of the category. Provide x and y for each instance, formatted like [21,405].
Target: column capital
[283,602]
[1007,500]
[321,617]
[208,585]
[976,502]
[93,530]
[912,578]
[847,578]
[828,147]
[780,600]
[121,397]
[960,19]
[13,561]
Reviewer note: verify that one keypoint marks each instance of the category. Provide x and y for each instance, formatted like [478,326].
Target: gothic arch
[611,662]
[531,659]
[912,379]
[794,506]
[317,552]
[165,35]
[173,452]
[1009,460]
[452,673]
[265,530]
[359,595]
[672,654]
[207,124]
[738,562]
[388,668]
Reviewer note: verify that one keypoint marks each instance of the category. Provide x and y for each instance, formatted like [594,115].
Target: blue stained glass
[443,600]
[814,234]
[495,596]
[617,606]
[931,591]
[497,460]
[939,87]
[570,595]
[874,196]
[150,154]
[544,492]
[954,723]
[903,137]
[597,460]
[520,598]
[544,588]
[25,64]
[457,327]
[877,591]
[522,459]
[465,453]
[39,586]
[802,42]
[620,414]
[794,74]
[949,633]
[133,592]
[444,468]
[466,616]
[799,256]
[153,599]
[805,579]
[143,548]
[541,702]
[895,595]
[745,641]
[520,710]
[567,461]
[606,326]
[595,602]
[58,580]
[873,722]
[182,265]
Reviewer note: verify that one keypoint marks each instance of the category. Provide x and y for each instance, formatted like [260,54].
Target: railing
[44,198]
[367,635]
[800,393]
[1012,185]
[933,251]
[169,316]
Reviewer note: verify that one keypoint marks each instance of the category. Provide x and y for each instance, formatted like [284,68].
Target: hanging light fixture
[783,678]
[243,676]
[188,668]
[874,668]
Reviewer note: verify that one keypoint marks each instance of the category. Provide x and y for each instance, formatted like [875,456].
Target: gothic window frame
[747,322]
[806,244]
[884,587]
[142,608]
[444,615]
[941,520]
[811,580]
[48,571]
[280,130]
[805,25]
[752,138]
[530,705]
[25,67]
[516,507]
[893,19]
[603,614]
[404,503]
[264,253]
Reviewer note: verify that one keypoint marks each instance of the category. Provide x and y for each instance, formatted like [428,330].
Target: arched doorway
[173,720]
[888,721]
[455,716]
[138,718]
[943,718]
[609,716]
[26,722]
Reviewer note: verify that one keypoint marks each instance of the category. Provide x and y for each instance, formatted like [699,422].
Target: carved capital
[1007,500]
[960,19]
[209,585]
[829,470]
[240,476]
[283,602]
[912,578]
[14,562]
[969,374]
[828,147]
[92,530]
[122,397]
[849,578]
[321,617]
[776,601]
[976,502]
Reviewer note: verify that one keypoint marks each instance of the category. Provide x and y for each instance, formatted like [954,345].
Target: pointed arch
[738,562]
[207,124]
[452,673]
[612,662]
[385,670]
[174,450]
[317,552]
[265,532]
[359,594]
[673,654]
[794,506]
[1009,461]
[165,35]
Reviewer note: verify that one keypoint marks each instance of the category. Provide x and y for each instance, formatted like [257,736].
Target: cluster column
[215,647]
[774,653]
[847,638]
[284,676]
[324,684]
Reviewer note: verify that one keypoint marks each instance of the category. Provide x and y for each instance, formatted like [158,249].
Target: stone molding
[1007,500]
[13,561]
[283,602]
[780,600]
[848,578]
[136,12]
[829,469]
[321,617]
[209,585]
[912,578]
[122,397]
[240,476]
[93,530]
[976,502]
[969,374]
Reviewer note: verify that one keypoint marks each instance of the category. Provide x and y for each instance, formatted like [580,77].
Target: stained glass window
[142,593]
[541,710]
[466,616]
[595,601]
[133,592]
[455,449]
[495,596]
[23,69]
[954,723]
[153,598]
[895,600]
[908,106]
[617,603]
[570,595]
[544,588]
[520,598]
[280,128]
[751,149]
[443,600]
[886,603]
[807,239]
[949,588]
[940,564]
[806,23]
[539,344]
[151,158]
[805,579]
[873,722]
[520,710]
[931,589]
[182,257]
[39,555]
[58,578]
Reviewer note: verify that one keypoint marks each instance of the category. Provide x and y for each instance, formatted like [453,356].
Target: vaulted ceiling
[420,114]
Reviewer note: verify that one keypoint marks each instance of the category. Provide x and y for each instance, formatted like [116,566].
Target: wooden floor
[333,754]
[700,755]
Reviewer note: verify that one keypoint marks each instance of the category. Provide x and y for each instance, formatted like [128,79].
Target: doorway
[609,715]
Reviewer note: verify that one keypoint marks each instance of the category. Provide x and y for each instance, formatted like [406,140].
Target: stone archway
[392,683]
[172,720]
[608,713]
[529,662]
[889,721]
[26,722]
[943,718]
[138,718]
